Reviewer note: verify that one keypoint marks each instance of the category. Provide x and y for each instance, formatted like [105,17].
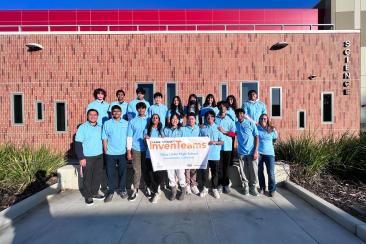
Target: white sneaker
[155,198]
[195,190]
[204,192]
[216,193]
[219,188]
[148,192]
[188,190]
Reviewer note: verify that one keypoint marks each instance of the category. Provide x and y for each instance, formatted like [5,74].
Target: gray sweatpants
[248,170]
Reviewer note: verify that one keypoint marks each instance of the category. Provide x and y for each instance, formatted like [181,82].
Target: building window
[223,91]
[171,91]
[17,108]
[200,100]
[149,91]
[39,111]
[327,107]
[246,86]
[276,102]
[301,119]
[60,116]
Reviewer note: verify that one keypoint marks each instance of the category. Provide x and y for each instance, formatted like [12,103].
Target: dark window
[170,93]
[276,102]
[223,91]
[60,116]
[200,101]
[246,87]
[18,109]
[301,119]
[327,107]
[149,92]
[39,111]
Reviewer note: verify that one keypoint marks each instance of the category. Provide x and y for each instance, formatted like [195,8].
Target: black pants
[153,179]
[214,166]
[92,175]
[225,157]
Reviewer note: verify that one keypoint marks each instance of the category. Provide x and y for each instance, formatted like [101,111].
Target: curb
[352,224]
[10,214]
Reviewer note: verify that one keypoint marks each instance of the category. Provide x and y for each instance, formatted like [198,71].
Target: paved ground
[232,219]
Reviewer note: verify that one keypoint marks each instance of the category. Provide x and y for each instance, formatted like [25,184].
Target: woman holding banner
[154,129]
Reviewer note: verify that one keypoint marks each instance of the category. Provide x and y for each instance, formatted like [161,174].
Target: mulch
[9,197]
[345,194]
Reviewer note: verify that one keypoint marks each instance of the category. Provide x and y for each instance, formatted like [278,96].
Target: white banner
[178,153]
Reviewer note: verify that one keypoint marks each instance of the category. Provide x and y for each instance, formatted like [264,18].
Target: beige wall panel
[345,5]
[344,21]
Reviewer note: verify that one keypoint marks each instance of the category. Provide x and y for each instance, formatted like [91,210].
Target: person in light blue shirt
[227,127]
[131,110]
[253,108]
[267,134]
[155,178]
[136,147]
[89,151]
[158,108]
[193,106]
[120,94]
[216,141]
[233,105]
[191,130]
[247,136]
[208,105]
[114,136]
[177,108]
[100,105]
[174,129]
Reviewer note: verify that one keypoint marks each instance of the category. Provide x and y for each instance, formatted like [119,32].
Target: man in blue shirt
[120,94]
[158,108]
[247,135]
[131,110]
[253,108]
[114,136]
[89,151]
[100,105]
[227,127]
[215,143]
[136,147]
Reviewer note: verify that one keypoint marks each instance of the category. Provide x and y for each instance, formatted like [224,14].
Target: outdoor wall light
[33,47]
[279,45]
[312,77]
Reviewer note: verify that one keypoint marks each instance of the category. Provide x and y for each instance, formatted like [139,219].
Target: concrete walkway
[232,219]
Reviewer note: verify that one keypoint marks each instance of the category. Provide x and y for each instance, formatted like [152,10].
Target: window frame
[241,90]
[298,119]
[146,83]
[270,102]
[322,109]
[36,110]
[166,91]
[227,91]
[12,107]
[55,116]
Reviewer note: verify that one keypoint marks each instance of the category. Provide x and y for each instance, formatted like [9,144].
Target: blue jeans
[120,162]
[269,160]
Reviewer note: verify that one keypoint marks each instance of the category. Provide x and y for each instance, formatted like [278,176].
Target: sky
[153,4]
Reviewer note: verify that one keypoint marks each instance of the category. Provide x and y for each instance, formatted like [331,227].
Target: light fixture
[279,45]
[33,47]
[312,77]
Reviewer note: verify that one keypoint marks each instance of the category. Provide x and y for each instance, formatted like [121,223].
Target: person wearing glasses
[267,135]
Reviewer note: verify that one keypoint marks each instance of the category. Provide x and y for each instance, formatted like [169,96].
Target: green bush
[344,156]
[20,166]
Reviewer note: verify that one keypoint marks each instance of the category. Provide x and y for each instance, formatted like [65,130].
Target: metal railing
[166,27]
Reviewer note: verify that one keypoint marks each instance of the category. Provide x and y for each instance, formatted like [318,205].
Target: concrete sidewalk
[232,219]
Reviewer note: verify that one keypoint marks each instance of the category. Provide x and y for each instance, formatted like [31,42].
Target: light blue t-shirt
[132,111]
[204,110]
[231,114]
[159,109]
[254,109]
[171,132]
[116,133]
[91,138]
[102,108]
[154,134]
[266,141]
[189,131]
[229,125]
[246,132]
[123,106]
[136,129]
[214,134]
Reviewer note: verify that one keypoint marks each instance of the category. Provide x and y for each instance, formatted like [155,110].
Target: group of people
[116,133]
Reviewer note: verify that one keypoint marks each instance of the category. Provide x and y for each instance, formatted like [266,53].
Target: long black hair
[174,108]
[150,125]
[192,103]
[207,103]
[235,104]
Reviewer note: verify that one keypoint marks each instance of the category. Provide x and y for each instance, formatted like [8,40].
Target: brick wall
[71,66]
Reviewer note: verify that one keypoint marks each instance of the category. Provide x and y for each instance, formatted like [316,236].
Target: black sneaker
[89,201]
[123,194]
[109,197]
[133,196]
[98,197]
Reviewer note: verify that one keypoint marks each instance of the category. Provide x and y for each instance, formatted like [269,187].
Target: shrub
[20,166]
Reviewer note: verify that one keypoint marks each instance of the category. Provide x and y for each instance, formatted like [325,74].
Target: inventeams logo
[176,144]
